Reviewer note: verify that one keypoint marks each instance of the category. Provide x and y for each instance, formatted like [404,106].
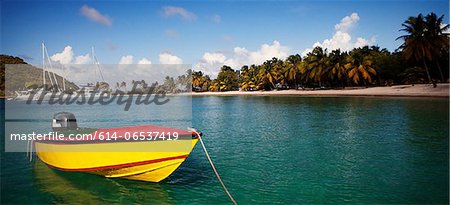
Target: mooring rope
[214,168]
[30,149]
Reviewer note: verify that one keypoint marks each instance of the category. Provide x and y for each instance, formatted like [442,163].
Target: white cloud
[212,58]
[93,15]
[342,38]
[178,11]
[360,42]
[167,58]
[64,57]
[126,59]
[347,23]
[216,18]
[144,61]
[83,59]
[241,56]
[210,63]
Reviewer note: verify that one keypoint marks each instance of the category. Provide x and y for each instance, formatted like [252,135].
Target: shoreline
[418,90]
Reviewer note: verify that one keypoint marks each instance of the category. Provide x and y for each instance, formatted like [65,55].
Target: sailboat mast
[97,65]
[43,66]
[95,69]
[50,74]
[64,77]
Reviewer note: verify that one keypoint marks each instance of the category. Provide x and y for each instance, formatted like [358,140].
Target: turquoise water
[288,150]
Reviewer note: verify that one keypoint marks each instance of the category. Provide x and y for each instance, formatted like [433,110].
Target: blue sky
[204,34]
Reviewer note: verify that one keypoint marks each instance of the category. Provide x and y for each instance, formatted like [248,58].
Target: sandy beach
[418,90]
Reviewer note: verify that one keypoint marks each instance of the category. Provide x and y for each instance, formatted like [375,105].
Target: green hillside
[23,76]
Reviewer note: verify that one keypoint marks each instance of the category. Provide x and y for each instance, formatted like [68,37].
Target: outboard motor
[64,121]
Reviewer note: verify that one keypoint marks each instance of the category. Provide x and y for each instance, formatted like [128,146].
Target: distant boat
[102,157]
[33,94]
[94,90]
[89,91]
[23,94]
[42,93]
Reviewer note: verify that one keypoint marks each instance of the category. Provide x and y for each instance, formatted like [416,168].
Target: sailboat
[94,90]
[23,94]
[42,93]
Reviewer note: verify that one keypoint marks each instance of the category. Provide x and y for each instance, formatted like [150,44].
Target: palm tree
[424,40]
[438,38]
[215,86]
[228,78]
[124,85]
[197,80]
[360,67]
[225,85]
[250,78]
[267,72]
[315,65]
[206,81]
[337,72]
[244,77]
[244,71]
[144,84]
[292,65]
[169,85]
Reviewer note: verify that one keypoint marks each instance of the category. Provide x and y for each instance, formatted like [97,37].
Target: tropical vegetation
[420,59]
[426,42]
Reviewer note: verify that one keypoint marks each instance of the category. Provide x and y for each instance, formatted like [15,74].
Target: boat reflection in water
[82,188]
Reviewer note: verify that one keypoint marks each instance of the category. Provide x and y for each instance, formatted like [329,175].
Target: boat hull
[153,165]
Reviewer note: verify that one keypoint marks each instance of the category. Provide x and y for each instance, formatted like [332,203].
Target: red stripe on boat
[121,165]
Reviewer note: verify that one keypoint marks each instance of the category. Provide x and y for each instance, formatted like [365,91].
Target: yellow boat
[146,153]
